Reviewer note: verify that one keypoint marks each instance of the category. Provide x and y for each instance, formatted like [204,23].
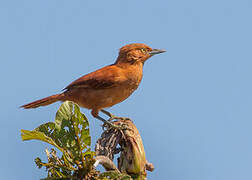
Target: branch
[132,155]
[106,163]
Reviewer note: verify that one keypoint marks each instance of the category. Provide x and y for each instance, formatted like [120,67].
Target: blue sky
[193,107]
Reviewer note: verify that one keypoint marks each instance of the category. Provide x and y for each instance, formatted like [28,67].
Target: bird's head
[136,53]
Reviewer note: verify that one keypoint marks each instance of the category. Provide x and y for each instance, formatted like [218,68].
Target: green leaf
[64,113]
[85,137]
[72,128]
[32,135]
[70,134]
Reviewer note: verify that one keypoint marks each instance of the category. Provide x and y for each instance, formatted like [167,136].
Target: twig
[106,163]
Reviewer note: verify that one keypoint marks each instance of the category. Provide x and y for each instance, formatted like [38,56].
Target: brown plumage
[107,86]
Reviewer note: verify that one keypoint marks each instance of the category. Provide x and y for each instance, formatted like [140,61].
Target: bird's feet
[110,123]
[113,117]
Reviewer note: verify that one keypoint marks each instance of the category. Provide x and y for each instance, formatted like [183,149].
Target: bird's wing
[106,77]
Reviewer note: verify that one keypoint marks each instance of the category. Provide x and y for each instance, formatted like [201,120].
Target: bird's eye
[143,50]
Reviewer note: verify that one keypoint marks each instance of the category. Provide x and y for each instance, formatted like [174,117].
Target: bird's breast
[124,86]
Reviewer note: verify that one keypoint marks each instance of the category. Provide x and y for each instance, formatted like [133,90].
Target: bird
[107,86]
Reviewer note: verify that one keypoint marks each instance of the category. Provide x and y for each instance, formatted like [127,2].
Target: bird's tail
[44,102]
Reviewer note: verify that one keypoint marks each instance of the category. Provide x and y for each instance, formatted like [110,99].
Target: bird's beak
[156,51]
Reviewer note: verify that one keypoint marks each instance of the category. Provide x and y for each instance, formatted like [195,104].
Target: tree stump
[128,143]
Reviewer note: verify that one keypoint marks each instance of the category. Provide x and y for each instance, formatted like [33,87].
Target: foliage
[69,134]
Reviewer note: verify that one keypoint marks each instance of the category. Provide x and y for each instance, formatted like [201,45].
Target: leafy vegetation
[70,135]
[71,156]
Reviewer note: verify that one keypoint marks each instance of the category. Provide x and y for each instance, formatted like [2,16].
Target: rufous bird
[107,86]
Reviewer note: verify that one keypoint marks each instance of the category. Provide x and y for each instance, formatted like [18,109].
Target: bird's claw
[109,125]
[118,118]
[113,117]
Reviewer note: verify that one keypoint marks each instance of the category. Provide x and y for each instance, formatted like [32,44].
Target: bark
[128,143]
